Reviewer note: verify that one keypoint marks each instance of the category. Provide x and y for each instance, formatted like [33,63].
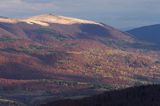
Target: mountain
[48,56]
[37,26]
[147,33]
[139,96]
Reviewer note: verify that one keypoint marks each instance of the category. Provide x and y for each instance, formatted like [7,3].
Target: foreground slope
[49,56]
[139,96]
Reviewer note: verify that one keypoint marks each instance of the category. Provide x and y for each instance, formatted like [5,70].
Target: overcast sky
[121,14]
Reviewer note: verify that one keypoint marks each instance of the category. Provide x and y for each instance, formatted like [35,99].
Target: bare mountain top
[48,18]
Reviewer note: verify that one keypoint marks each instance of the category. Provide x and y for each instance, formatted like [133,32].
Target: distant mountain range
[149,33]
[47,56]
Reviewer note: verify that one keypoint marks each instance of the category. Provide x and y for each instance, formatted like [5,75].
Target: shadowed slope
[139,96]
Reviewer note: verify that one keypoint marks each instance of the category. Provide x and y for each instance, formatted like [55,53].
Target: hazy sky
[118,13]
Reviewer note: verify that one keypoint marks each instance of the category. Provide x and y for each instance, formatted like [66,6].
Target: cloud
[37,1]
[21,8]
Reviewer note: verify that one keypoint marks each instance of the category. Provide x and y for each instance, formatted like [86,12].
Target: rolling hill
[50,56]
